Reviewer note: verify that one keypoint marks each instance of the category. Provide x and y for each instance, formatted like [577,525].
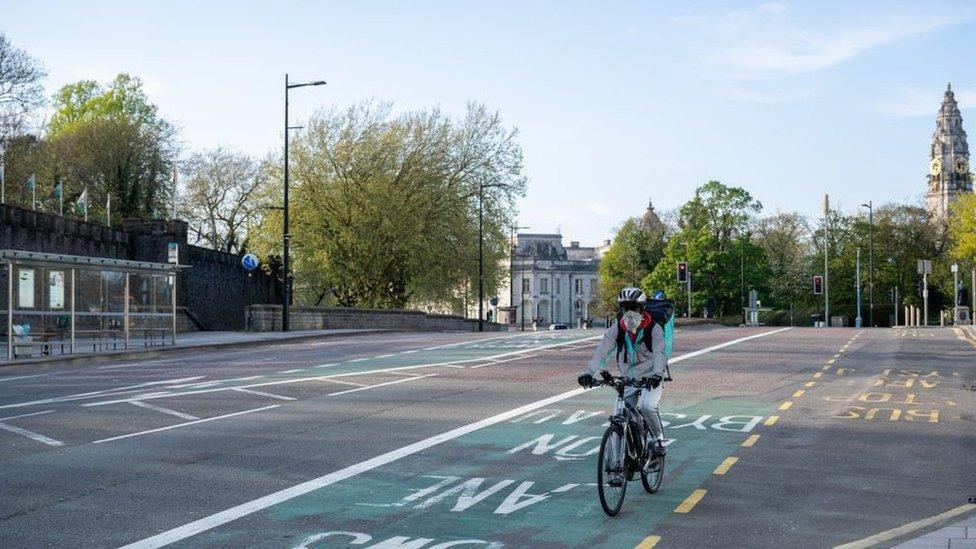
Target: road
[778,438]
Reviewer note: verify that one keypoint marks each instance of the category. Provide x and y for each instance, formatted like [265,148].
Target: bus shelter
[64,304]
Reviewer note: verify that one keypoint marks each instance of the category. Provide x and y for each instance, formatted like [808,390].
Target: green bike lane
[523,478]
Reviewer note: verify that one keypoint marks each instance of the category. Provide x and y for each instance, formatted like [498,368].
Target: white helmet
[631,294]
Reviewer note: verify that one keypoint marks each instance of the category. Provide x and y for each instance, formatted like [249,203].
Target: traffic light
[682,271]
[817,285]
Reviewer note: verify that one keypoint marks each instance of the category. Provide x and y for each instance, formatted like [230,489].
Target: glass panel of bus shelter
[42,315]
[99,310]
[149,321]
[163,318]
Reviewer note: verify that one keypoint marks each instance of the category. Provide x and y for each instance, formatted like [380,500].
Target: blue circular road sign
[249,261]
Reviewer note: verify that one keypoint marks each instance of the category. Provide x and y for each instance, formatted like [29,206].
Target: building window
[559,286]
[579,285]
[526,285]
[545,286]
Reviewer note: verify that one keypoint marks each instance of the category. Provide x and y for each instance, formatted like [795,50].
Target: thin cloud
[765,43]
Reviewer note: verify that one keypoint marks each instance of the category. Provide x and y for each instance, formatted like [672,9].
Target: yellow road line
[689,503]
[648,543]
[747,443]
[786,405]
[770,421]
[905,529]
[818,374]
[798,393]
[725,466]
[810,383]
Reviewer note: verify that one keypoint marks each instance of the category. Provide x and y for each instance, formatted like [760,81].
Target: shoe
[658,450]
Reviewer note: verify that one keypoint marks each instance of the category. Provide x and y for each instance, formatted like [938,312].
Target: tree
[784,238]
[20,88]
[219,199]
[713,238]
[962,230]
[636,250]
[110,139]
[385,208]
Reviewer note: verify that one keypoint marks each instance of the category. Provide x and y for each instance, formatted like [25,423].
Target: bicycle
[629,431]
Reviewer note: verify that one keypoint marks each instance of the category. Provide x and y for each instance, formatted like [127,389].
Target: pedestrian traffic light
[817,285]
[682,271]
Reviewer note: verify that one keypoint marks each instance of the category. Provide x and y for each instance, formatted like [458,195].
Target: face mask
[632,320]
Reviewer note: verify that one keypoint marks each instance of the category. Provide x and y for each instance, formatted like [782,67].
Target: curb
[153,352]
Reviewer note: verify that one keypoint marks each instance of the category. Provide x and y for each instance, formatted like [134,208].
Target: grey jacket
[647,363]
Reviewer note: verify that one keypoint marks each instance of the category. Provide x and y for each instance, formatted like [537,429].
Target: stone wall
[214,289]
[264,318]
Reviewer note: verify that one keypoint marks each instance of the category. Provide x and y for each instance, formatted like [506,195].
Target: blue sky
[615,103]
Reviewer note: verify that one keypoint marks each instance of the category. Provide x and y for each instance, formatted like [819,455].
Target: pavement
[777,438]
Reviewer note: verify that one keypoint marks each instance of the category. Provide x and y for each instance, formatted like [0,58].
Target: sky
[616,103]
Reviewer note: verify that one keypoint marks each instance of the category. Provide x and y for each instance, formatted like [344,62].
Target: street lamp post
[870,207]
[286,237]
[481,258]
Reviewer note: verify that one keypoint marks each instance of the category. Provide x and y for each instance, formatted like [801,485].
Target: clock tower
[949,174]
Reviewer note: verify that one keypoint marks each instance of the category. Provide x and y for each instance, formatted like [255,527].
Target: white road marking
[98,394]
[394,382]
[409,352]
[178,425]
[353,383]
[161,410]
[449,364]
[293,371]
[27,415]
[14,378]
[262,393]
[384,356]
[327,365]
[31,435]
[126,365]
[358,359]
[229,515]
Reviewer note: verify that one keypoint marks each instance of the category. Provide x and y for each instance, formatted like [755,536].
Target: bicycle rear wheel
[653,474]
[610,477]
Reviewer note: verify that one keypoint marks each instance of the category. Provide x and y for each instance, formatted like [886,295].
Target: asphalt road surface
[777,438]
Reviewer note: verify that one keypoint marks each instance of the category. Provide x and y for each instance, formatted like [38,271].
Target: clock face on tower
[962,166]
[935,167]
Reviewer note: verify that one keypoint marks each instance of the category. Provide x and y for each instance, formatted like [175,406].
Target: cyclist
[636,343]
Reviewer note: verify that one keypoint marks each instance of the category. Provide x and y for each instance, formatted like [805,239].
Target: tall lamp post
[870,207]
[286,237]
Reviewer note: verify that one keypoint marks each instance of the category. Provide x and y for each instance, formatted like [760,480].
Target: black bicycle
[625,449]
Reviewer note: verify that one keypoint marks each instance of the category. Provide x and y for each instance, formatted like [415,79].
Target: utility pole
[286,236]
[858,321]
[689,293]
[870,207]
[511,274]
[481,258]
[955,291]
[826,210]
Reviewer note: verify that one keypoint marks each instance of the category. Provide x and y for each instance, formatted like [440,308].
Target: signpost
[925,269]
[250,262]
[826,280]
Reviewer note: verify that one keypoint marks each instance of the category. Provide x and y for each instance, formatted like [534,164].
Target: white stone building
[551,284]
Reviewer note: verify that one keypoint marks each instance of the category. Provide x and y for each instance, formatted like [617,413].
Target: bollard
[906,318]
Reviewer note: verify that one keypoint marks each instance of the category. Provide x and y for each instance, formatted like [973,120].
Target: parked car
[558,327]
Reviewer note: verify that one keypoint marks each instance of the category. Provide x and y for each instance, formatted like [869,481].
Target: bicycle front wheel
[611,477]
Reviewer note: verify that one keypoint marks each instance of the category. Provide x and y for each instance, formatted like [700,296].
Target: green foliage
[110,139]
[962,230]
[385,209]
[722,259]
[631,257]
